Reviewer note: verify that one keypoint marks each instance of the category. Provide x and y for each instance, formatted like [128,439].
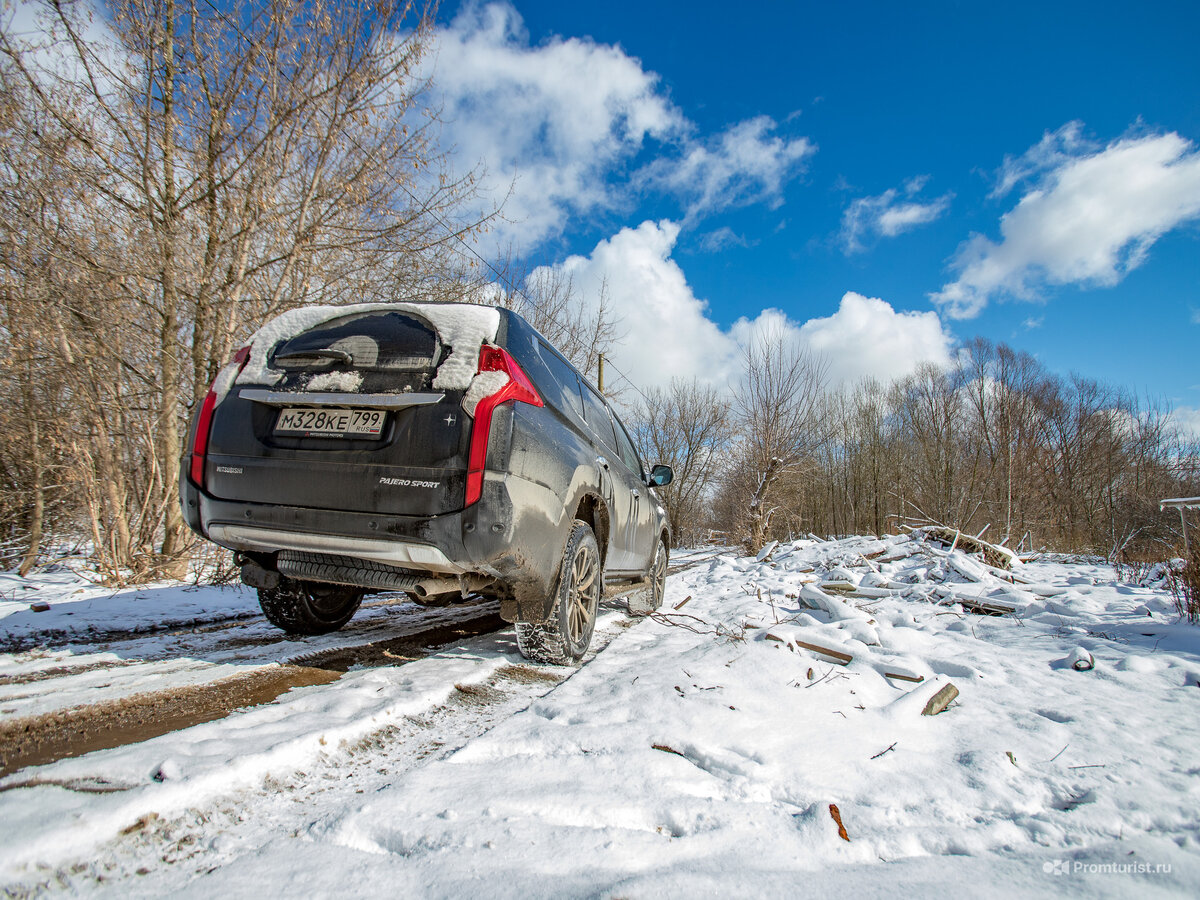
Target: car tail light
[518,387]
[204,420]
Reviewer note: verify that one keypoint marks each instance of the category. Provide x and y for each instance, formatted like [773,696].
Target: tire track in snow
[164,855]
[65,733]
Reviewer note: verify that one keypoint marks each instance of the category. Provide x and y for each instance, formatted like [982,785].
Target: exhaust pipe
[428,588]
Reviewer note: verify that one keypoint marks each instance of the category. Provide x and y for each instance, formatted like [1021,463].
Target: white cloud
[1089,219]
[1187,419]
[722,239]
[668,332]
[551,119]
[1033,322]
[866,336]
[889,214]
[563,122]
[1055,149]
[745,164]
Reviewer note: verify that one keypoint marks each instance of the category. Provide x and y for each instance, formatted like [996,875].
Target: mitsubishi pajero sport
[437,449]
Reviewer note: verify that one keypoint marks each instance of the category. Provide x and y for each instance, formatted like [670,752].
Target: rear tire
[307,607]
[564,637]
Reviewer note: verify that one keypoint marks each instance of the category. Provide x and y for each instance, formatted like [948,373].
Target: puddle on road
[38,740]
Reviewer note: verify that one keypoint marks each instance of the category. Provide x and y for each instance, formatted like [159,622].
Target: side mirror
[660,476]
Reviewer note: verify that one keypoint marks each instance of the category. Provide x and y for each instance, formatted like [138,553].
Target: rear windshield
[375,341]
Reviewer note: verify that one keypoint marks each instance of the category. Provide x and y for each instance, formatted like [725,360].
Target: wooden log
[838,656]
[841,587]
[939,701]
[984,605]
[1081,660]
[872,593]
[993,554]
[842,658]
[915,679]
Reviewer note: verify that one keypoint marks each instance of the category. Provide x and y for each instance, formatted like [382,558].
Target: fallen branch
[888,750]
[80,785]
[824,677]
[683,620]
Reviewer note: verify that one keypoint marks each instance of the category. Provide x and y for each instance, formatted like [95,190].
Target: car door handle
[637,495]
[602,461]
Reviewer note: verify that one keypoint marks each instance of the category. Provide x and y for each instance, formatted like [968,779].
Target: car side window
[628,453]
[565,380]
[597,418]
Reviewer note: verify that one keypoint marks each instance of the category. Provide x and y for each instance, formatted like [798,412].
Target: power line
[627,379]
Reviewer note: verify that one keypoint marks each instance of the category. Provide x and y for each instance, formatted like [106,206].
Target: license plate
[330,422]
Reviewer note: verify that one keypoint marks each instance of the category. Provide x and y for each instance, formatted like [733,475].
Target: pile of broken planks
[931,565]
[979,563]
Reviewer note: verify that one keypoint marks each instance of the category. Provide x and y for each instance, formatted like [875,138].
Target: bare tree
[780,406]
[688,426]
[222,164]
[581,328]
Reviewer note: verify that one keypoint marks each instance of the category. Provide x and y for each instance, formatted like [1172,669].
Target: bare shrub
[1184,583]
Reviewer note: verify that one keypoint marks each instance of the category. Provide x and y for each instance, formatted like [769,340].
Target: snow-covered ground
[697,752]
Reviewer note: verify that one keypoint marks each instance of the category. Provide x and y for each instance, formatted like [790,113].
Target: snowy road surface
[696,752]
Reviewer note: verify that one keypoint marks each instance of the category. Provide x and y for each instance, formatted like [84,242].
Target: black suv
[437,449]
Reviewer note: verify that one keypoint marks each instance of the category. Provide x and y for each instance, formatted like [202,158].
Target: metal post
[1183,504]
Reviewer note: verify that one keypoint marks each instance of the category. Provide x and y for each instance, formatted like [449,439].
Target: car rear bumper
[421,557]
[481,539]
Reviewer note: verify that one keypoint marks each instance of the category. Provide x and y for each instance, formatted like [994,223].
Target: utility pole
[600,377]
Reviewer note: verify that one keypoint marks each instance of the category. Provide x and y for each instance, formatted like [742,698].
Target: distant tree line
[993,444]
[172,178]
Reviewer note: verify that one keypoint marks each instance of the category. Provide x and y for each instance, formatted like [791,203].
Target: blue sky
[883,181]
[780,155]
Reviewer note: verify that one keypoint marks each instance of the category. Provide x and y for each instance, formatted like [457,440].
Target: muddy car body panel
[349,442]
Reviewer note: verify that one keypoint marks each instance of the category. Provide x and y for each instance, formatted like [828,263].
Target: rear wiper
[324,353]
